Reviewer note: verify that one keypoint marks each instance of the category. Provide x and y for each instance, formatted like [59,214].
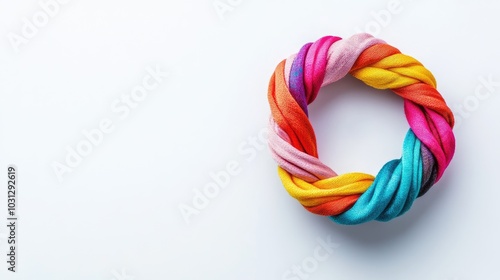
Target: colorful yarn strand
[355,198]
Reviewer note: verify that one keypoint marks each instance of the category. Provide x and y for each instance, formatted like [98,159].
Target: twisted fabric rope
[355,198]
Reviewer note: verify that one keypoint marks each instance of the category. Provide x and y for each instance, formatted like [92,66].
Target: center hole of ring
[358,128]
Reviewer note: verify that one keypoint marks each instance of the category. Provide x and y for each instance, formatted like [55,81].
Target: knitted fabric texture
[355,198]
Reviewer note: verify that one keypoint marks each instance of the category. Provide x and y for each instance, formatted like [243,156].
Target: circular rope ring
[355,198]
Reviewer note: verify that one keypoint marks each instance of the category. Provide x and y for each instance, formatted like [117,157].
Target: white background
[116,215]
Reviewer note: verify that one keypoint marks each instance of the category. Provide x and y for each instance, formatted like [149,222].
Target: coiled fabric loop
[355,198]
